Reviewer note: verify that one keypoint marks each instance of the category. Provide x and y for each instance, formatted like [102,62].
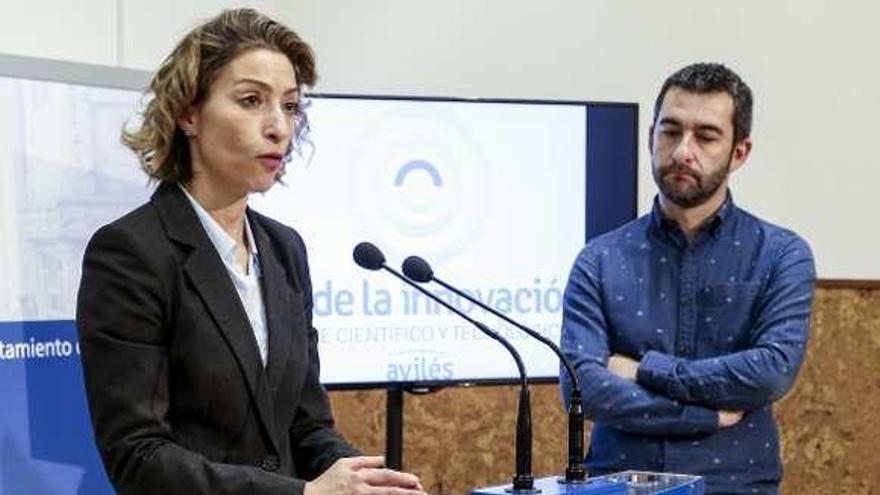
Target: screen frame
[627,185]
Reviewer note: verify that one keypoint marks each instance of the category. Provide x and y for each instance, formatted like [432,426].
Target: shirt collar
[223,242]
[712,224]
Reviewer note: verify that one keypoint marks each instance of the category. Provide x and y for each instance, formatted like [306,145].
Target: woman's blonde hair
[186,74]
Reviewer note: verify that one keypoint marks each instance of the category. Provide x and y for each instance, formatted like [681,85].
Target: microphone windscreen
[417,269]
[368,256]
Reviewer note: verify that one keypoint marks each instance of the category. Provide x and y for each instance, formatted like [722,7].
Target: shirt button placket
[687,316]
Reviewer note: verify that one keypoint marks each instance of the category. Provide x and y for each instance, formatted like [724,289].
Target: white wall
[811,63]
[77,31]
[128,33]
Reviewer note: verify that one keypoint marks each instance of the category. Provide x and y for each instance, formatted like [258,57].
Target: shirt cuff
[654,371]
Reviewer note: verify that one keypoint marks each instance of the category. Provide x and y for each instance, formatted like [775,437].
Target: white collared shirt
[246,284]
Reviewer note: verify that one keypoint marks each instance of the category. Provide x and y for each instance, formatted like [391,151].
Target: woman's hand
[363,475]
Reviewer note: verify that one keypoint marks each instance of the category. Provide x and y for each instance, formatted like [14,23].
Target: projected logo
[418,184]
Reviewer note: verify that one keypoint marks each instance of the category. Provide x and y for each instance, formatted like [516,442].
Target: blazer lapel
[277,297]
[209,276]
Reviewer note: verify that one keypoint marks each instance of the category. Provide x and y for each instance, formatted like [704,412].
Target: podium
[623,483]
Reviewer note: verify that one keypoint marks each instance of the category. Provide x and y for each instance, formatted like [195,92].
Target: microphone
[368,256]
[419,270]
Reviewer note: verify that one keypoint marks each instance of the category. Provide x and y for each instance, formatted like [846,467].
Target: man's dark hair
[713,78]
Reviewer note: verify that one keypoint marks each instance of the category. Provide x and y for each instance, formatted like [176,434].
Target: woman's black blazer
[180,400]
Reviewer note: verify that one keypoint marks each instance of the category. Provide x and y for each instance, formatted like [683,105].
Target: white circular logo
[418,185]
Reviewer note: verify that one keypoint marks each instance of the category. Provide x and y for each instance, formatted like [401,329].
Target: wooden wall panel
[459,438]
[830,425]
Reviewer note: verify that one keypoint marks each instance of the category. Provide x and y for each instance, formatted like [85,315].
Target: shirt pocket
[725,316]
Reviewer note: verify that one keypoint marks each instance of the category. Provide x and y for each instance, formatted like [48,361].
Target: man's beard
[691,195]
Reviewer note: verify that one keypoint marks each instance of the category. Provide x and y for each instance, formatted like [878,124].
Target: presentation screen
[498,195]
[493,194]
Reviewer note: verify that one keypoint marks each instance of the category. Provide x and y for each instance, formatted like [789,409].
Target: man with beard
[686,324]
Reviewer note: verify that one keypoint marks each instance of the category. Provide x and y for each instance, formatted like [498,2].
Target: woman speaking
[194,311]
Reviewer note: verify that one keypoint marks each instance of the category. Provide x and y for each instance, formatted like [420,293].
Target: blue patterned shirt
[718,324]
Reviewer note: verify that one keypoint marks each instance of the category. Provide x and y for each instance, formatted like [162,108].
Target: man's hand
[623,366]
[726,419]
[363,476]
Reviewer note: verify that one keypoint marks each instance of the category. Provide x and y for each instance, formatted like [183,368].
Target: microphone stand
[523,481]
[574,472]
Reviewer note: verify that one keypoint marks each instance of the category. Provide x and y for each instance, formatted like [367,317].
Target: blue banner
[46,441]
